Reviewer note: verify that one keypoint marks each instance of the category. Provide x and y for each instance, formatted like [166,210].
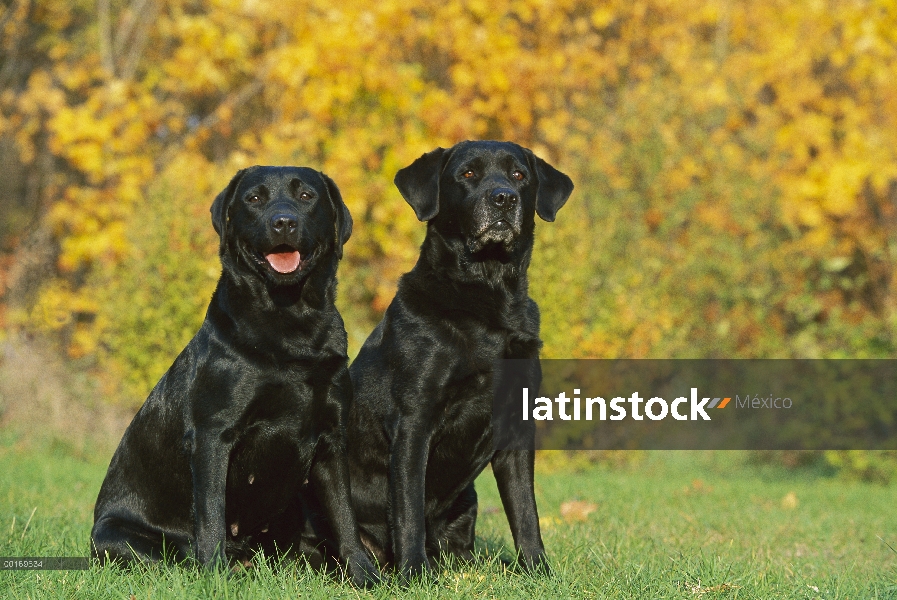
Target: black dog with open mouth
[249,420]
[420,429]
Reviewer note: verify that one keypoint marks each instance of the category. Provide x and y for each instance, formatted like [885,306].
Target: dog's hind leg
[123,542]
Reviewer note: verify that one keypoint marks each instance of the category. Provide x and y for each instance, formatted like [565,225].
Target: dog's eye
[518,175]
[305,196]
[253,198]
[468,174]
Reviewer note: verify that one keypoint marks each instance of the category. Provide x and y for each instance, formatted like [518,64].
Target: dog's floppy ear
[419,184]
[343,226]
[554,188]
[221,207]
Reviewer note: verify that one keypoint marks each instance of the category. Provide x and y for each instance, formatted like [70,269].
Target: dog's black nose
[503,197]
[284,223]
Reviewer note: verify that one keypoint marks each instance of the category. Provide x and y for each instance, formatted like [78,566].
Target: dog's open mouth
[284,259]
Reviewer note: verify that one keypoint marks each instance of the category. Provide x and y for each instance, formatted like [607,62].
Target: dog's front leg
[330,477]
[513,470]
[209,462]
[407,473]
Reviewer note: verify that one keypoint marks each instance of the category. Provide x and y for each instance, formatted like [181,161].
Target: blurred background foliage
[735,162]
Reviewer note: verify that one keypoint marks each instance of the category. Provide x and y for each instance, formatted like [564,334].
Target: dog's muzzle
[500,218]
[501,231]
[284,258]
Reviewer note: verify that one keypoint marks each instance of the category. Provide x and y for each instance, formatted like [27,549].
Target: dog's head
[279,221]
[486,193]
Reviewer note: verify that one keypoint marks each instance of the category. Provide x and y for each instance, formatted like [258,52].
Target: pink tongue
[284,262]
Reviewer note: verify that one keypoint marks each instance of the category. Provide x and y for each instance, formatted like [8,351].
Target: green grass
[675,525]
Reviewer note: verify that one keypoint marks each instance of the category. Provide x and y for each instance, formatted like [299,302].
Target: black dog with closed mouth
[420,427]
[251,415]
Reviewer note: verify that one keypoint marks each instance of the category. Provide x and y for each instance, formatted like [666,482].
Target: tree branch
[230,102]
[140,37]
[126,27]
[22,12]
[105,35]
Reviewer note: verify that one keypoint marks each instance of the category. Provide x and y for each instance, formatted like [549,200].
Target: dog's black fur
[249,421]
[420,428]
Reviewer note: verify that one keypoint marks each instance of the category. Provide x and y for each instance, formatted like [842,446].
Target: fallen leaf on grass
[790,501]
[713,589]
[577,510]
[697,487]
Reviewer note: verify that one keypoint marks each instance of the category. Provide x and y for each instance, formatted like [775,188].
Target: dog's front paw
[361,571]
[212,558]
[534,563]
[414,566]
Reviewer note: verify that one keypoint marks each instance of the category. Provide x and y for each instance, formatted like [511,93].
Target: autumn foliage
[735,162]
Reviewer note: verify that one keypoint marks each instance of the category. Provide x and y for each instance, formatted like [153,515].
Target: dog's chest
[267,467]
[461,440]
[272,454]
[481,345]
